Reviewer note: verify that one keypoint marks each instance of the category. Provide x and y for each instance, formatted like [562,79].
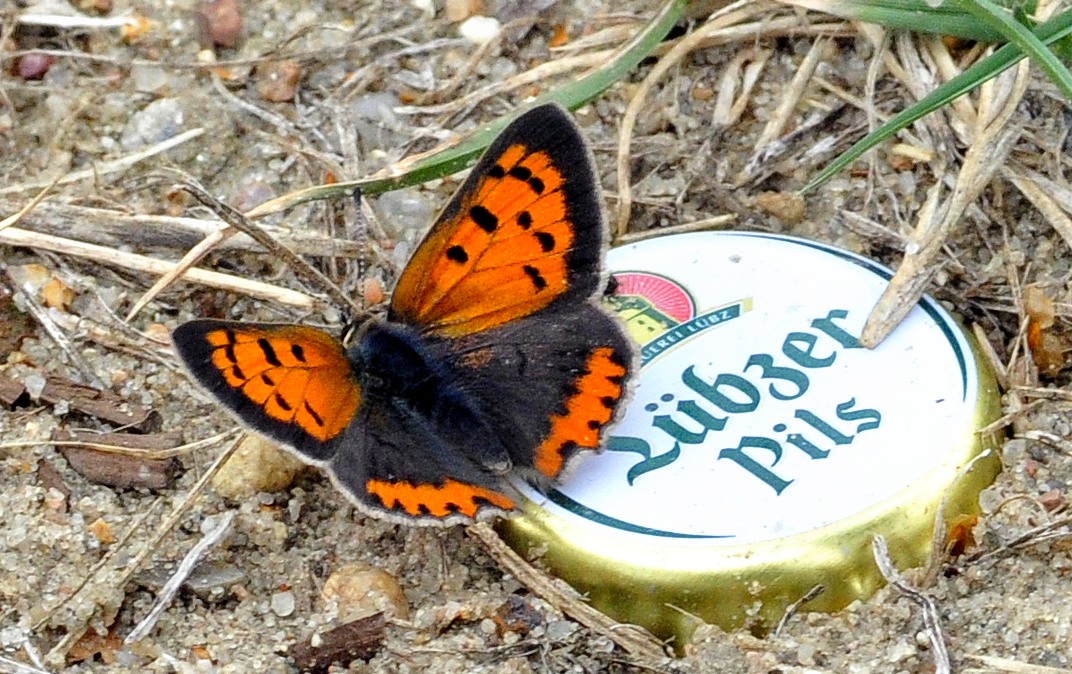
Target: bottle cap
[763,447]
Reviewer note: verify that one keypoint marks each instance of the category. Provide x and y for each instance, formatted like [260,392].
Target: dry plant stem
[1030,185]
[77,20]
[991,355]
[697,226]
[631,639]
[13,236]
[107,167]
[735,13]
[1030,537]
[53,331]
[931,622]
[794,91]
[171,587]
[25,210]
[101,563]
[59,652]
[539,73]
[792,609]
[8,666]
[113,228]
[1004,665]
[192,257]
[298,265]
[993,142]
[156,454]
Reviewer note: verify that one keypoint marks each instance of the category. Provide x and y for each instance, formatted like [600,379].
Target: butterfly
[494,357]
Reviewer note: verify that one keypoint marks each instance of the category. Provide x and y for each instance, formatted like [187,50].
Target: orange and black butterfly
[494,357]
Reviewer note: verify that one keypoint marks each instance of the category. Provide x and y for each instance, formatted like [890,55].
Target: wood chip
[356,640]
[103,405]
[122,471]
[12,393]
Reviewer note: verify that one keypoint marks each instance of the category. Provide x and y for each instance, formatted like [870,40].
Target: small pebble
[360,590]
[277,81]
[558,630]
[480,29]
[220,23]
[256,466]
[34,66]
[282,603]
[156,122]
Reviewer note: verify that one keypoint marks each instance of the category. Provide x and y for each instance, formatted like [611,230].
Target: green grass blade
[455,158]
[1053,30]
[916,15]
[988,13]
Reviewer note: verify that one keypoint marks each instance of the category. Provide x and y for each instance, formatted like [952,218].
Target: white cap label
[756,414]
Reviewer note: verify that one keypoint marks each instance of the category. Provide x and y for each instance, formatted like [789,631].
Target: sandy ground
[355,63]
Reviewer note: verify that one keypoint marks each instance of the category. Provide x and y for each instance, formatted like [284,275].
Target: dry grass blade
[735,13]
[107,167]
[793,92]
[244,225]
[59,651]
[28,208]
[163,600]
[931,615]
[1007,666]
[994,139]
[633,640]
[13,236]
[192,257]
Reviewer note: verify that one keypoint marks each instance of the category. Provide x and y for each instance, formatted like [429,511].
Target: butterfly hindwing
[399,465]
[524,230]
[550,383]
[288,382]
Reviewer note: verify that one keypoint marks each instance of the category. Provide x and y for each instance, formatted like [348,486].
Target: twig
[297,264]
[13,236]
[101,563]
[630,638]
[167,593]
[9,666]
[697,226]
[931,617]
[59,651]
[53,331]
[1012,666]
[25,210]
[718,21]
[106,167]
[114,228]
[791,610]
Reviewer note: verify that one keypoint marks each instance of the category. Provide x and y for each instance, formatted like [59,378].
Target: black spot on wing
[484,218]
[269,352]
[282,402]
[316,417]
[457,254]
[497,171]
[298,352]
[534,275]
[524,219]
[521,173]
[547,241]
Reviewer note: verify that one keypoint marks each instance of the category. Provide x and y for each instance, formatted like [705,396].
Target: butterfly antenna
[361,237]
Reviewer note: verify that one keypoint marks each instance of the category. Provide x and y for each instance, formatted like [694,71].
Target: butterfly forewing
[525,230]
[289,382]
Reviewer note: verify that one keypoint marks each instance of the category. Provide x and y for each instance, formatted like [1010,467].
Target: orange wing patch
[424,500]
[511,233]
[294,375]
[598,391]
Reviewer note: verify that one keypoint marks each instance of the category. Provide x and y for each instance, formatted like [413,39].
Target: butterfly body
[493,358]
